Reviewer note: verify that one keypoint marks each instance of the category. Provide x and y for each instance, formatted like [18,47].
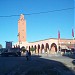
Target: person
[27,55]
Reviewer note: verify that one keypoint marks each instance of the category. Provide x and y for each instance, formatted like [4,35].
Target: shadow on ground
[36,66]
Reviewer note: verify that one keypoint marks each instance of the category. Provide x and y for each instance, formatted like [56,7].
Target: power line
[10,16]
[51,11]
[41,12]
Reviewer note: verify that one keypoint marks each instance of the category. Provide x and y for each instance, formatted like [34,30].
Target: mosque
[50,45]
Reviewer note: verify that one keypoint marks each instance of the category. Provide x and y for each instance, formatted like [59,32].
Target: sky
[42,25]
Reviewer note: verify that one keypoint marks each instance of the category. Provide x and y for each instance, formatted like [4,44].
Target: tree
[0,46]
[32,49]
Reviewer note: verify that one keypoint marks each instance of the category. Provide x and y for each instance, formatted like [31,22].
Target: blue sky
[39,26]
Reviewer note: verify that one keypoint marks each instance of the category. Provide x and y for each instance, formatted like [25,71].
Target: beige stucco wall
[49,41]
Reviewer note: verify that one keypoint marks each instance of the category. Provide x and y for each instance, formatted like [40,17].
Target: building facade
[50,45]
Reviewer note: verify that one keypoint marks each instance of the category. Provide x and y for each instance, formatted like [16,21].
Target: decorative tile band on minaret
[21,29]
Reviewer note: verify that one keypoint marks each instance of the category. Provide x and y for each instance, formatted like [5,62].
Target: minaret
[21,29]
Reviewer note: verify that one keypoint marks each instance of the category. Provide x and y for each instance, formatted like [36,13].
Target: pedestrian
[27,55]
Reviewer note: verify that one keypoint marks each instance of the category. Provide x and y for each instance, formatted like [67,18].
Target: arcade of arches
[48,45]
[44,48]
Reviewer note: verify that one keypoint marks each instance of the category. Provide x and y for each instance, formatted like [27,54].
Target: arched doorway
[47,46]
[35,48]
[53,47]
[42,48]
[29,48]
[38,48]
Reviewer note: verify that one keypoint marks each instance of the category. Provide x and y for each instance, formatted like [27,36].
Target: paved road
[64,59]
[7,64]
[36,66]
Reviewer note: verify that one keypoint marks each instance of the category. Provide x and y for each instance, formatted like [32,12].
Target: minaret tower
[21,29]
